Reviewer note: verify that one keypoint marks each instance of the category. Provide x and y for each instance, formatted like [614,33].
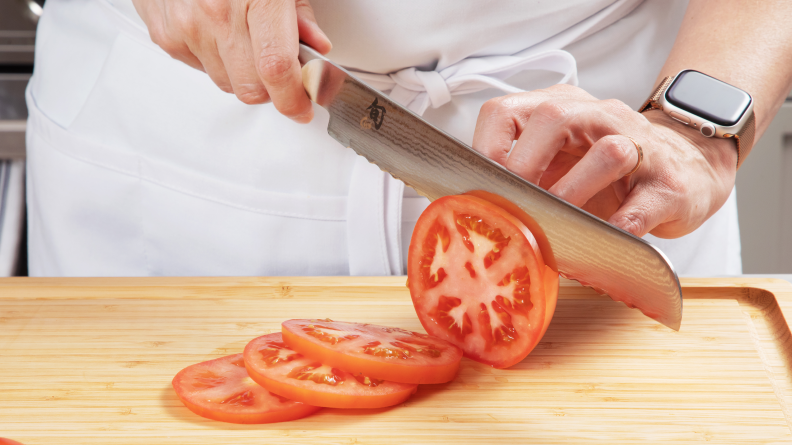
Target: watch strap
[745,138]
[653,103]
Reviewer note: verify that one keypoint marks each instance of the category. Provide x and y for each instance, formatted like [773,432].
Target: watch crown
[707,130]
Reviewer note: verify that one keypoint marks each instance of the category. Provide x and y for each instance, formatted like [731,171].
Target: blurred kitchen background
[17,37]
[764,183]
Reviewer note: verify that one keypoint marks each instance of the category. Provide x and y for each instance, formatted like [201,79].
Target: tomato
[380,352]
[285,372]
[220,389]
[478,279]
[8,442]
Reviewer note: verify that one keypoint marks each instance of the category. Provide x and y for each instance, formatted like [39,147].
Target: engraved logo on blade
[375,116]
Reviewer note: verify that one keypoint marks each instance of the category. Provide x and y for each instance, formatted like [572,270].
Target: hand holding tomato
[577,147]
[247,47]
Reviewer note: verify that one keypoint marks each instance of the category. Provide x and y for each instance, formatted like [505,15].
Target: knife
[435,164]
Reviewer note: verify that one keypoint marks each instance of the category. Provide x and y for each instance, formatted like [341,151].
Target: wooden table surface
[89,361]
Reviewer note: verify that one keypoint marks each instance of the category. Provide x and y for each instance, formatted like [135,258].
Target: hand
[577,148]
[247,47]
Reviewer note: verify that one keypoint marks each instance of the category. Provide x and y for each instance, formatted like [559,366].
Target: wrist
[721,153]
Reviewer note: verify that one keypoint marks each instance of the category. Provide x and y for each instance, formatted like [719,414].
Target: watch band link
[744,139]
[653,103]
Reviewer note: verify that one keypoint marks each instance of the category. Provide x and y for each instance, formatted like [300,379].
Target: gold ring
[640,156]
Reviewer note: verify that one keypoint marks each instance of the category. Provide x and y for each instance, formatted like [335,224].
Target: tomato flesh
[221,389]
[273,365]
[536,230]
[380,352]
[478,279]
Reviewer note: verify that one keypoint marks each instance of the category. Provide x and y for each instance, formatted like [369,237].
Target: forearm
[744,43]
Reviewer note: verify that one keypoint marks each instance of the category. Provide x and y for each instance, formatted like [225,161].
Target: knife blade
[435,164]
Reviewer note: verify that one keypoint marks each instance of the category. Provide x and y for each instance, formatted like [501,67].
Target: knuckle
[634,222]
[217,10]
[275,65]
[164,41]
[253,96]
[494,106]
[615,150]
[552,110]
[182,22]
[488,107]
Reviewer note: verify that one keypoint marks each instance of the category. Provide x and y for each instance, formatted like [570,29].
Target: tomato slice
[478,279]
[536,230]
[220,389]
[551,276]
[285,372]
[381,352]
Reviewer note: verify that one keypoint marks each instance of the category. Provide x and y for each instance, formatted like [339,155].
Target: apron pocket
[98,210]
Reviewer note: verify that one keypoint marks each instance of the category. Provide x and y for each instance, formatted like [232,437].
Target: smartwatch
[708,105]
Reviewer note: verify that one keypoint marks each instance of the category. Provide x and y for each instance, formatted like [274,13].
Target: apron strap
[374,221]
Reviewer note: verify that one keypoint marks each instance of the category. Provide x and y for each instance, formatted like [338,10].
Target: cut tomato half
[220,389]
[478,279]
[381,352]
[285,372]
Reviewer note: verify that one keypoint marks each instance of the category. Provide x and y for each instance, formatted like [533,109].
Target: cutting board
[90,361]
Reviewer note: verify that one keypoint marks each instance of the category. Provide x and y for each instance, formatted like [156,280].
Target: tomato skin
[551,284]
[279,377]
[511,320]
[350,356]
[4,441]
[224,378]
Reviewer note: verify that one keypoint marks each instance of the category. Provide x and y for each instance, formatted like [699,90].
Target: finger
[172,32]
[607,161]
[645,207]
[503,119]
[544,135]
[569,125]
[309,30]
[275,40]
[213,65]
[176,48]
[236,52]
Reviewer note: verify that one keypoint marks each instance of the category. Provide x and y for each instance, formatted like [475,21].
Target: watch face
[707,97]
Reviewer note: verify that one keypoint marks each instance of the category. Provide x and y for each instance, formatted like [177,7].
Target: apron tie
[417,90]
[374,223]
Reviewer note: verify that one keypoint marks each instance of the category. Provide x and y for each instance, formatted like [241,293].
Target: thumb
[643,209]
[309,30]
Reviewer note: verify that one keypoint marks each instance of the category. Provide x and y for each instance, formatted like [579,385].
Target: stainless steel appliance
[17,40]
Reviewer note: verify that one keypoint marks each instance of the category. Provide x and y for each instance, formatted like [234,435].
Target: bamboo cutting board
[89,361]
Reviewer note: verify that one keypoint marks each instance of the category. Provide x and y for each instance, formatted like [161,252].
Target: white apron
[139,165]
